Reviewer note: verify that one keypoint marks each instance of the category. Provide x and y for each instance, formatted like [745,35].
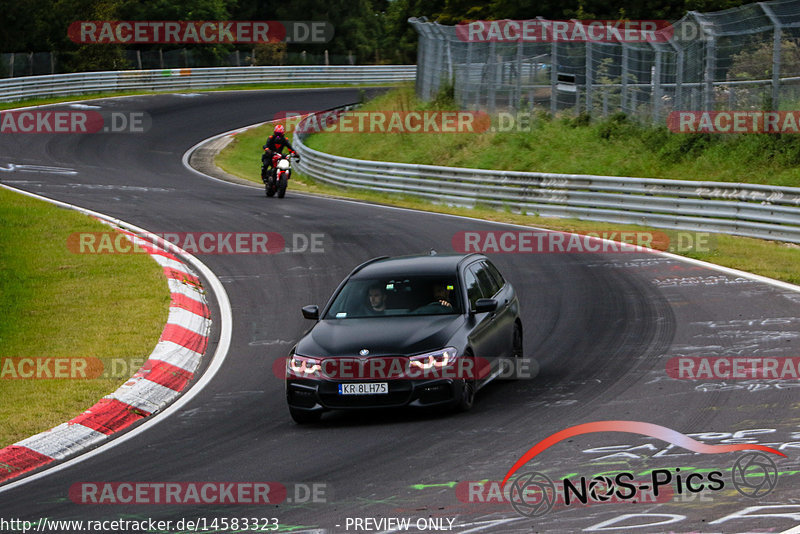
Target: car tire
[466,400]
[302,417]
[516,352]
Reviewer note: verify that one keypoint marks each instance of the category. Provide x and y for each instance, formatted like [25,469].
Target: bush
[271,53]
[582,119]
[446,96]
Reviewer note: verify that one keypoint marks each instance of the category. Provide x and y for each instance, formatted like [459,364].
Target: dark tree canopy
[366,30]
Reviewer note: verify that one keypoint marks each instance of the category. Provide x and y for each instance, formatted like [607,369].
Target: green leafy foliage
[368,31]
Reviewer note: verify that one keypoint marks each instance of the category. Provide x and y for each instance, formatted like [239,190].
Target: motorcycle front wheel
[282,188]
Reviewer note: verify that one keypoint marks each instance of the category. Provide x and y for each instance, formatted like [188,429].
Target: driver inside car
[441,295]
[376,295]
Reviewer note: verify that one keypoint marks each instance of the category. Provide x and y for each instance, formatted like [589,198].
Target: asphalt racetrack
[602,326]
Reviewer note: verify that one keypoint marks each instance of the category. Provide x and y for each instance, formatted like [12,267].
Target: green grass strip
[57,304]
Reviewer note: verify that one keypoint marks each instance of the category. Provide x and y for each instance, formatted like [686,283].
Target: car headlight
[303,365]
[434,360]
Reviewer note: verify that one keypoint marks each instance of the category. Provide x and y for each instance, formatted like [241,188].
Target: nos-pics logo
[534,494]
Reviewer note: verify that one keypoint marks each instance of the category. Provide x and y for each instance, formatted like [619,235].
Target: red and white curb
[163,377]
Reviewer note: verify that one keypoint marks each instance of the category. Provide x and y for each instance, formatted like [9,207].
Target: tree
[756,63]
[355,25]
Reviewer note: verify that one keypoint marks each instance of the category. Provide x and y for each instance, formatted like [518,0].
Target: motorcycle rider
[274,146]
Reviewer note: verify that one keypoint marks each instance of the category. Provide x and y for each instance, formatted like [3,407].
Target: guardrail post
[624,79]
[711,63]
[776,55]
[491,66]
[424,67]
[553,77]
[467,78]
[656,87]
[711,60]
[518,87]
[678,103]
[449,55]
[589,77]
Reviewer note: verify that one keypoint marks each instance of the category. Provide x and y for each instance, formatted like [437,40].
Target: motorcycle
[278,178]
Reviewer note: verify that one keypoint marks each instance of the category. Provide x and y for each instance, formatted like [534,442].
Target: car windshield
[413,295]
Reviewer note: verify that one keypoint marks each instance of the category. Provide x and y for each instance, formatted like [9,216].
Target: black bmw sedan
[426,330]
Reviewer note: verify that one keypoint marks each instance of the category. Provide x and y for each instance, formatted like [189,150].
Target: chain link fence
[745,58]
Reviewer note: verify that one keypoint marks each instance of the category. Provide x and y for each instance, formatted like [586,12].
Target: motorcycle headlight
[434,360]
[303,365]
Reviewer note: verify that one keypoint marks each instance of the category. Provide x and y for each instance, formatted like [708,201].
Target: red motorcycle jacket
[276,144]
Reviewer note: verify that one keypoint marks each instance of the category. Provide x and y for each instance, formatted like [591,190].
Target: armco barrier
[761,211]
[12,89]
[767,212]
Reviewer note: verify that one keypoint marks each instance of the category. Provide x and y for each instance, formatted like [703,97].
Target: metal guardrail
[12,89]
[761,211]
[766,212]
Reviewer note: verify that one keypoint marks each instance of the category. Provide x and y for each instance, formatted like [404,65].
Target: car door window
[495,273]
[487,283]
[473,288]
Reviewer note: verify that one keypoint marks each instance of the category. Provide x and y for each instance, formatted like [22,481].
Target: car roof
[422,264]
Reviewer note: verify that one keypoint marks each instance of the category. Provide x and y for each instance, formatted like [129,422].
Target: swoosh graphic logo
[633,427]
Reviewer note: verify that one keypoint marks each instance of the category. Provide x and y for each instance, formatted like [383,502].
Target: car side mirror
[485,305]
[311,312]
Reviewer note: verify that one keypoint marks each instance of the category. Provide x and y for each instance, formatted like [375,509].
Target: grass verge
[58,304]
[616,146]
[775,260]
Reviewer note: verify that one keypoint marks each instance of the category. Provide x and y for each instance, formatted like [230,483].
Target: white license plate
[368,388]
